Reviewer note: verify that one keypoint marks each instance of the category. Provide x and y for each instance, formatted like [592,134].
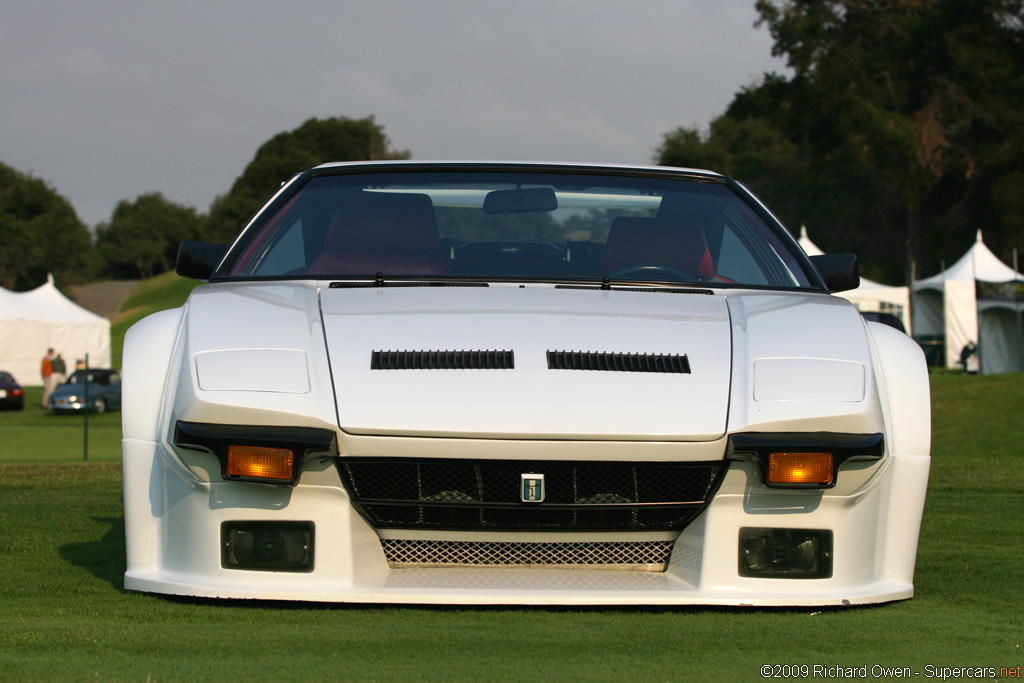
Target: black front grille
[481,495]
[618,362]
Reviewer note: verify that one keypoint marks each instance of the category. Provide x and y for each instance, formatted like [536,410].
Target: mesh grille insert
[634,555]
[442,360]
[618,362]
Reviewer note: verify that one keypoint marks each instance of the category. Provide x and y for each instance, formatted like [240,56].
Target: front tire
[99,406]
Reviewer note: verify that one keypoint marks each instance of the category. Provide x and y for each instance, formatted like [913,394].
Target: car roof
[555,166]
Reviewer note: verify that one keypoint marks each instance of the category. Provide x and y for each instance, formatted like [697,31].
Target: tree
[40,233]
[906,120]
[313,143]
[748,148]
[142,237]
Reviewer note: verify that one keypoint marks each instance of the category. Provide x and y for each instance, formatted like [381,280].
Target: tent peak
[977,263]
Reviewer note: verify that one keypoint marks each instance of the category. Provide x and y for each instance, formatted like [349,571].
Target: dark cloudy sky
[110,99]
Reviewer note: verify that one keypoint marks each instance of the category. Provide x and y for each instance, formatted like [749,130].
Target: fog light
[258,462]
[786,553]
[800,468]
[267,546]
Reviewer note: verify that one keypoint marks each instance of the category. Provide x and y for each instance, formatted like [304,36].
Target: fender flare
[905,388]
[148,350]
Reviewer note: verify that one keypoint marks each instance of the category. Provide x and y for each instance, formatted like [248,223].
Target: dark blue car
[104,392]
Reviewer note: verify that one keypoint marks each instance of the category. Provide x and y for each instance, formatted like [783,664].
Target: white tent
[870,296]
[949,305]
[43,318]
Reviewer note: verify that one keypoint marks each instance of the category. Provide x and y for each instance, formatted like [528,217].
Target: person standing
[47,372]
[60,371]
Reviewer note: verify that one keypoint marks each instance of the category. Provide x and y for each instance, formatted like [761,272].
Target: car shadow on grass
[104,558]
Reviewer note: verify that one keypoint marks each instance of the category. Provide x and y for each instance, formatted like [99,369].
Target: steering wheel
[650,271]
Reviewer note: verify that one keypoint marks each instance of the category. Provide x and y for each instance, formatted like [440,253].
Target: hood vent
[618,362]
[442,360]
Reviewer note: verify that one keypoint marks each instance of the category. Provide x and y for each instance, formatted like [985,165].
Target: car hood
[72,389]
[757,361]
[662,362]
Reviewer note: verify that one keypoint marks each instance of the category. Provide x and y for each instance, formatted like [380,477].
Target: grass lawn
[37,435]
[64,614]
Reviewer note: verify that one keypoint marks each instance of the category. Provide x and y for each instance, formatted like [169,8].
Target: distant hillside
[168,290]
[102,298]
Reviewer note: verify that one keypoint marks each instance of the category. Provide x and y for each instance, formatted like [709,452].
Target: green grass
[65,616]
[37,435]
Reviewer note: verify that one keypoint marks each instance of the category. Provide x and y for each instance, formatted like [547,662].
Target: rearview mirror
[522,200]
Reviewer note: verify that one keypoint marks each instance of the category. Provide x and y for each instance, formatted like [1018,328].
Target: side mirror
[839,271]
[198,260]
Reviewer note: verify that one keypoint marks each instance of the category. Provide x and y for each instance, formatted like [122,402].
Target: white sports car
[511,383]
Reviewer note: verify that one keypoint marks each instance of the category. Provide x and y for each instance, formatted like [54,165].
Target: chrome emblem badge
[532,488]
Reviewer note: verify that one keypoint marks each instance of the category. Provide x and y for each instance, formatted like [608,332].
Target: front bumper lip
[533,587]
[67,406]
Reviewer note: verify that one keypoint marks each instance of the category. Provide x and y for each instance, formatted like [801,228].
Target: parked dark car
[885,318]
[12,396]
[104,392]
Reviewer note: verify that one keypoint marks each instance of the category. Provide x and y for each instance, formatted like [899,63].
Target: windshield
[79,377]
[517,225]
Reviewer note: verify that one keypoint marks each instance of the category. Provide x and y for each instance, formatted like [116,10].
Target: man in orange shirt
[47,371]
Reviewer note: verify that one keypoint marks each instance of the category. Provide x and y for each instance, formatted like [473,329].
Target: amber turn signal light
[800,468]
[260,462]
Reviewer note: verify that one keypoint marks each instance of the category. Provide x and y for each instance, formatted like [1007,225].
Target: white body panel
[530,321]
[765,362]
